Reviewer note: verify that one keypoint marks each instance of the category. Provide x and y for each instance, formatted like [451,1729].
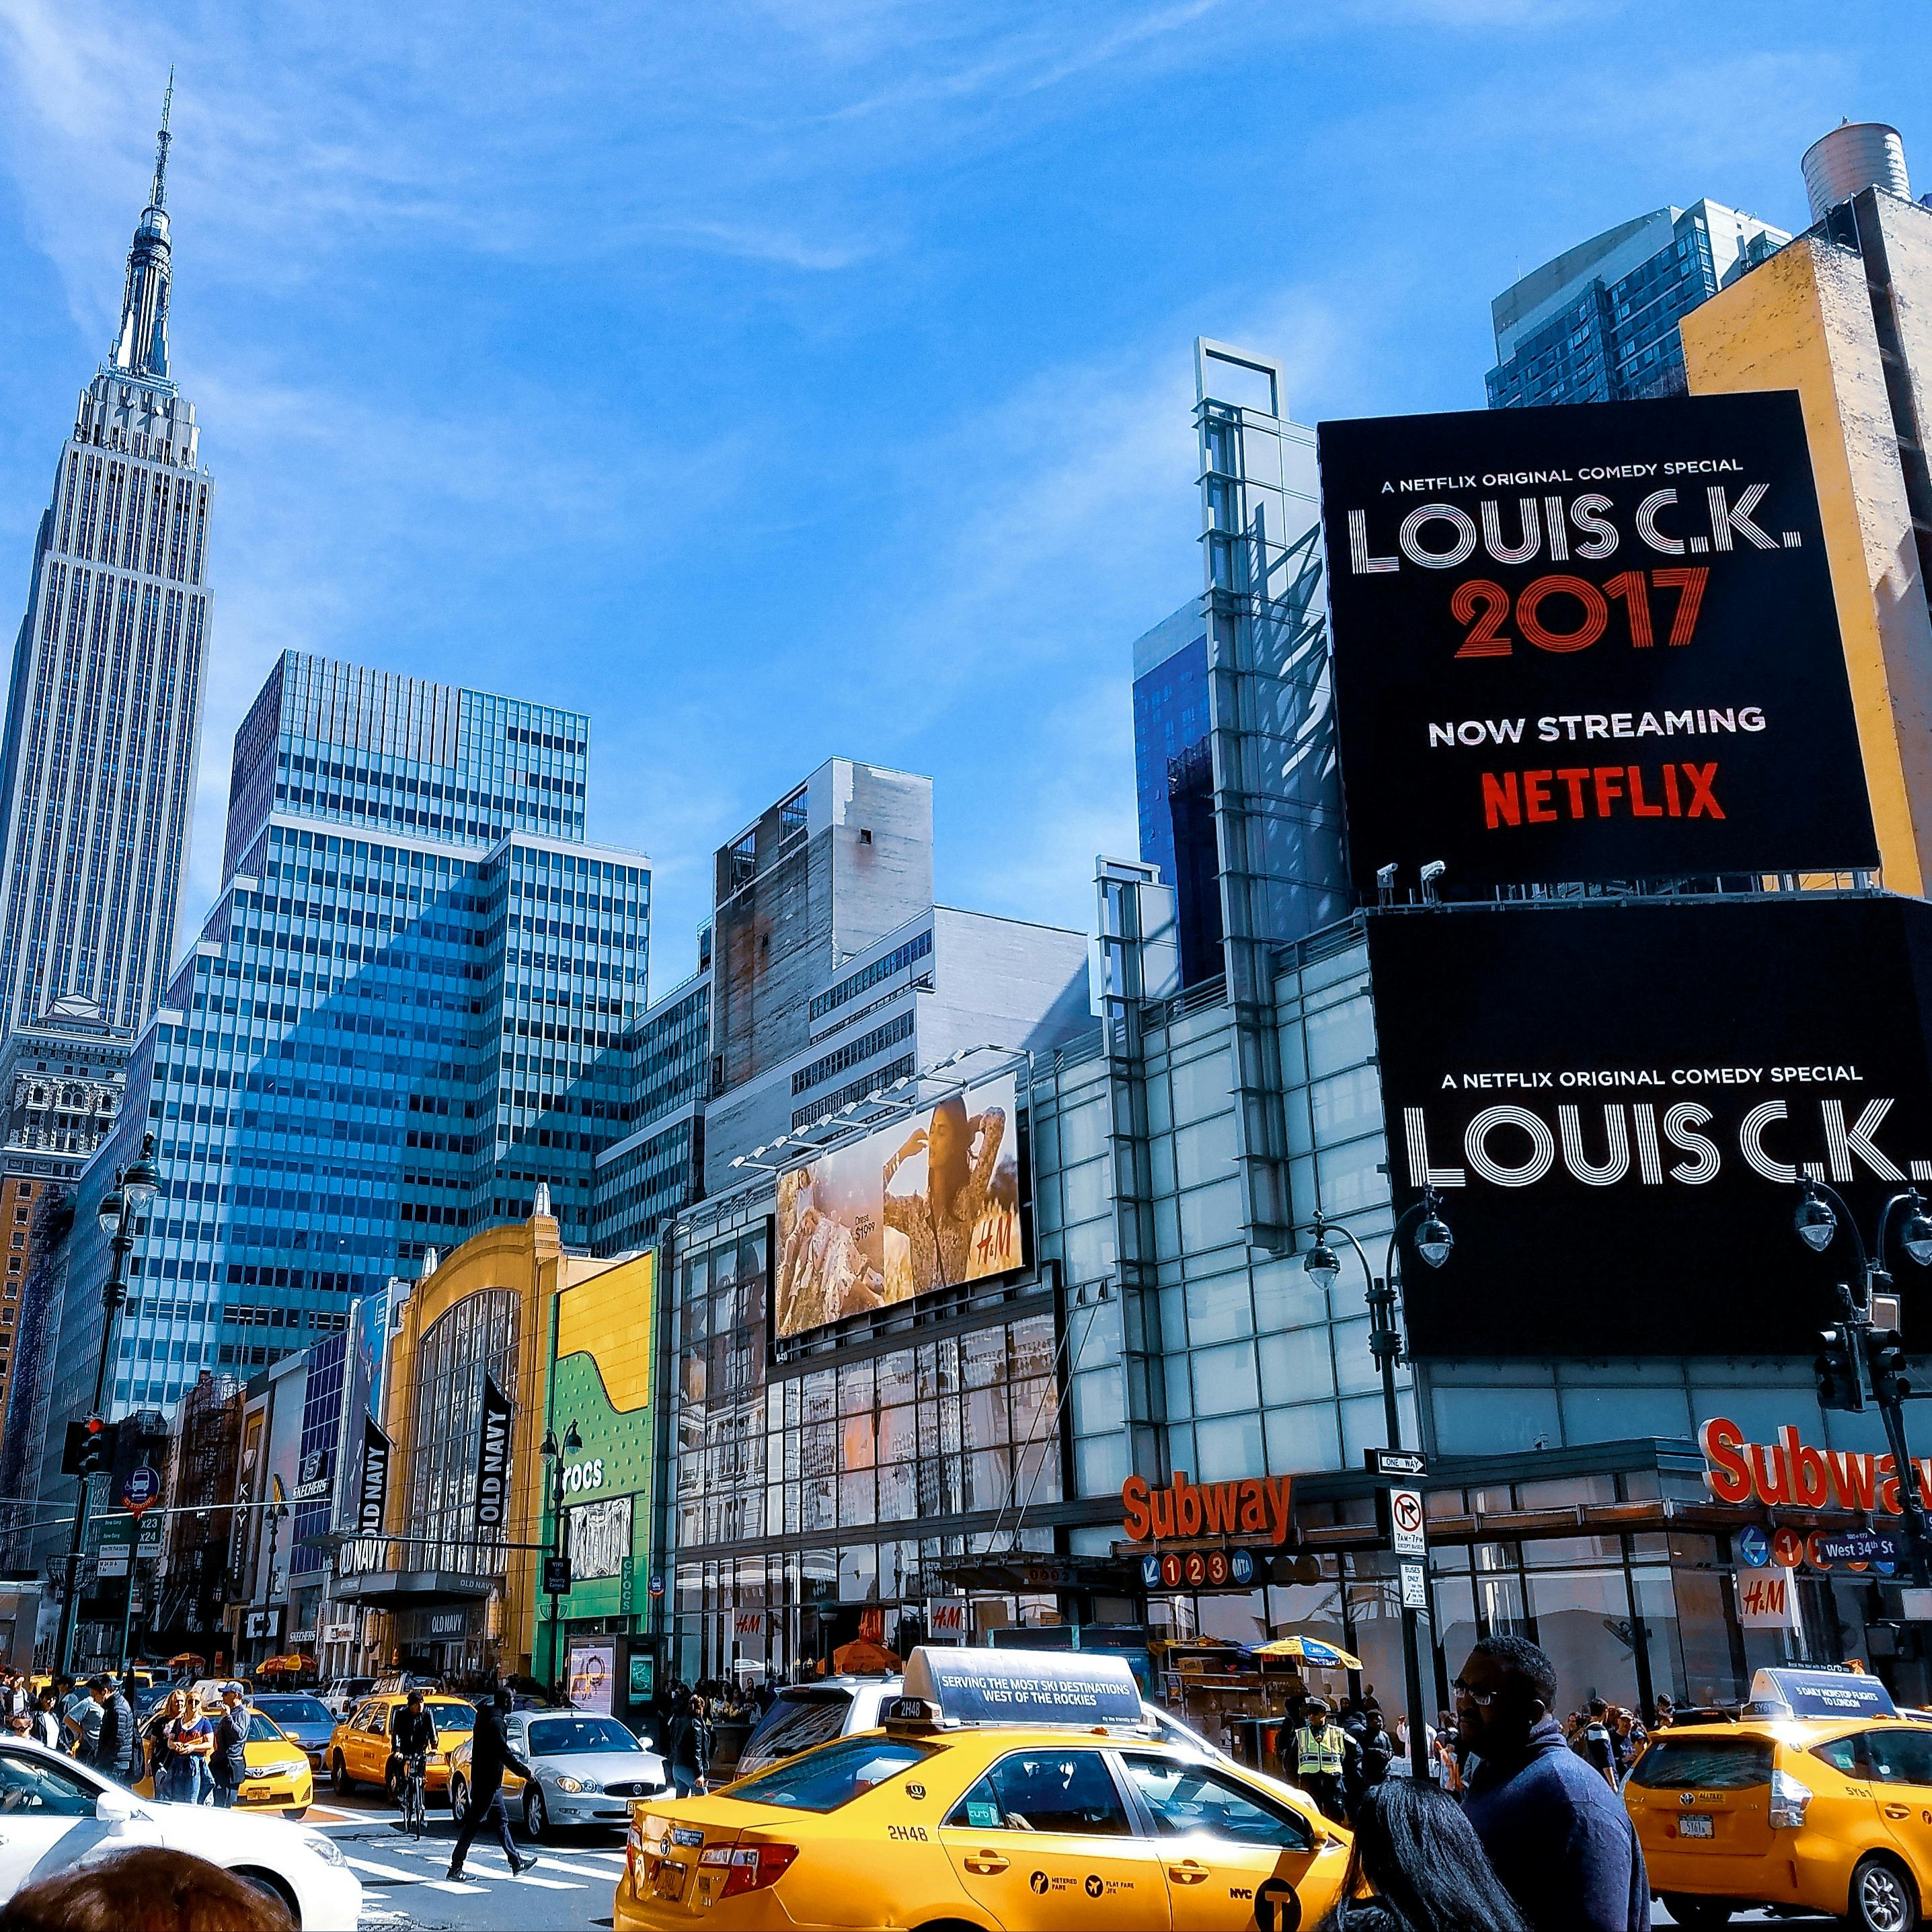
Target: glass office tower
[402,1013]
[1599,323]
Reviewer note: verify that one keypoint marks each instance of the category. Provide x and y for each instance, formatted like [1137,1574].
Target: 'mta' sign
[1255,1506]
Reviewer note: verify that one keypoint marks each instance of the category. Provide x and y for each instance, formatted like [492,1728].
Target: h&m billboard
[931,1202]
[1588,642]
[1616,1100]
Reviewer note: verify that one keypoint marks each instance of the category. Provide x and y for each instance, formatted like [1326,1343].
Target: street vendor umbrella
[1309,1650]
[279,1665]
[187,1660]
[863,1657]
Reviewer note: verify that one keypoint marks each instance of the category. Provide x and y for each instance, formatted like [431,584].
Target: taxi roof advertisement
[1615,1101]
[1589,642]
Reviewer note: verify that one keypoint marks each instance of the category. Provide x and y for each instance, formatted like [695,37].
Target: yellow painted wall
[1803,321]
[609,1318]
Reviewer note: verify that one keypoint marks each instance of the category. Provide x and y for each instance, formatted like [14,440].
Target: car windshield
[796,1723]
[1704,1764]
[263,1728]
[295,1710]
[453,1717]
[834,1775]
[562,1737]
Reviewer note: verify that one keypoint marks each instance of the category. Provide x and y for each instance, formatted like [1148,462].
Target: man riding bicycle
[414,1734]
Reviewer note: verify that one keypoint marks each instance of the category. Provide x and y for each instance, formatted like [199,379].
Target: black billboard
[1615,1101]
[1588,642]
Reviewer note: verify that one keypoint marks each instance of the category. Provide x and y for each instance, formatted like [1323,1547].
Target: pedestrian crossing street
[422,1867]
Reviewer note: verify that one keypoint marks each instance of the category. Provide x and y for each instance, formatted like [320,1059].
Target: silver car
[588,1769]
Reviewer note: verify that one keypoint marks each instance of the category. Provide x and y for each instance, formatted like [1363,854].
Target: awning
[413,1589]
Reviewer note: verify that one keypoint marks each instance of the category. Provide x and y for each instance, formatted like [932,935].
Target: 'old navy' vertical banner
[493,1458]
[1589,642]
[372,1494]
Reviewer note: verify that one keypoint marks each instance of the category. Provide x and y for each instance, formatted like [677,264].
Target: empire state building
[104,711]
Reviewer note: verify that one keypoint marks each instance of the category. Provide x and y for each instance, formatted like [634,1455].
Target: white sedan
[54,1813]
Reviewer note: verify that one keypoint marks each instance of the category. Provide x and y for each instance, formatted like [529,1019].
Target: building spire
[141,347]
[158,199]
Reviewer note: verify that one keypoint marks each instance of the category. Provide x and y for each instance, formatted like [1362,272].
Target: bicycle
[409,1794]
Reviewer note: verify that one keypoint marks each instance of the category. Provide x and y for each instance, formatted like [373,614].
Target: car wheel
[536,1814]
[459,1798]
[1883,1897]
[339,1778]
[269,1884]
[1697,1911]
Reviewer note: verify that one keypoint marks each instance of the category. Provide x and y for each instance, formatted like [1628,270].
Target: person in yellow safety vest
[1321,1760]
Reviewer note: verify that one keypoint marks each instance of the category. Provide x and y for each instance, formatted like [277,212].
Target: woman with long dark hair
[938,1224]
[1426,1870]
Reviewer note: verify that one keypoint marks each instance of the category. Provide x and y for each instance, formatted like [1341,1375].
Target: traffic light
[1837,1367]
[85,1451]
[1885,1352]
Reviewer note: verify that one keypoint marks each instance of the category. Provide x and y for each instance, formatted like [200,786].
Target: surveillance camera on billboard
[1586,643]
[931,1200]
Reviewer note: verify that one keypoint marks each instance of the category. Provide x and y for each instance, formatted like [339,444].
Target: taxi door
[1898,1759]
[1233,1856]
[365,1751]
[1044,1841]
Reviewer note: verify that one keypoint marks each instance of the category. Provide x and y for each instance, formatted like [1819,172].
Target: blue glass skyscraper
[403,1011]
[1170,716]
[1599,323]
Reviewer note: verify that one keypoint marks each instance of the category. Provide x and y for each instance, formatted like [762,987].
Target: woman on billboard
[965,1185]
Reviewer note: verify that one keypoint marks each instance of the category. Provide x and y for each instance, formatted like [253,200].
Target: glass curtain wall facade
[476,1337]
[386,1036]
[1600,323]
[820,1490]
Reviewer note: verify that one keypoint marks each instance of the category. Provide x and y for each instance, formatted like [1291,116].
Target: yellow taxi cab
[1819,1795]
[358,1747]
[278,1777]
[1007,1790]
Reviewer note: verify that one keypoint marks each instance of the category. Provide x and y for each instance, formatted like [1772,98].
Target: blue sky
[776,380]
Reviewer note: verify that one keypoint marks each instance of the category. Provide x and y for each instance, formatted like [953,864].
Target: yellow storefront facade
[456,1576]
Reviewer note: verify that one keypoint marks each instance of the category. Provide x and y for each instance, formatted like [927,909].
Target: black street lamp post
[133,1188]
[1431,1239]
[559,1542]
[1859,1349]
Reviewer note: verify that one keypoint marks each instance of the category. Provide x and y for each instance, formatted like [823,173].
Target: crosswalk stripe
[462,1887]
[381,1871]
[549,1863]
[547,1884]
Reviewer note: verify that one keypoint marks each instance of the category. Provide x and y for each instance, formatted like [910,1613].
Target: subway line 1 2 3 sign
[1589,642]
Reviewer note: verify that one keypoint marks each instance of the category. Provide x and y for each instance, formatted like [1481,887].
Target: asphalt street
[404,1885]
[404,1888]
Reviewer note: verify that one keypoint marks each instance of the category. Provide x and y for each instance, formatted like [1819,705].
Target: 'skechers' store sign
[1615,1102]
[1588,643]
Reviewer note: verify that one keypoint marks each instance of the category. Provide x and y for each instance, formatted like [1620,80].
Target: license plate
[1693,1828]
[671,1880]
